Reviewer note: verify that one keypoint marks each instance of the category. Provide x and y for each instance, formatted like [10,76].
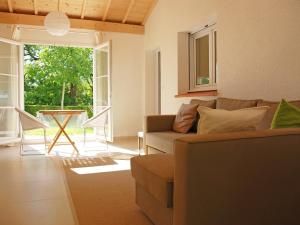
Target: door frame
[110,114]
[21,100]
[20,84]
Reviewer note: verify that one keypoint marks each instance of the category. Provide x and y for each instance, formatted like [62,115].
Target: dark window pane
[202,60]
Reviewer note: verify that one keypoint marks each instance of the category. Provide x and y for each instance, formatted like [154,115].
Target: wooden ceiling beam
[36,20]
[35,7]
[10,8]
[128,11]
[83,9]
[149,11]
[106,10]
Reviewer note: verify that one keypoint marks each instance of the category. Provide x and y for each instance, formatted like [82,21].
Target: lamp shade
[57,23]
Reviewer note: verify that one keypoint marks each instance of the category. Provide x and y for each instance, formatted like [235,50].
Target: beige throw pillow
[220,120]
[205,103]
[185,118]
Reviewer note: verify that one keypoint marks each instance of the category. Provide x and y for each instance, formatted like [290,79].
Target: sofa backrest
[235,104]
[238,178]
[208,103]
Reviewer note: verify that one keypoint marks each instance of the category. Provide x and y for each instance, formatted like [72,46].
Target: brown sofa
[159,136]
[220,179]
[223,179]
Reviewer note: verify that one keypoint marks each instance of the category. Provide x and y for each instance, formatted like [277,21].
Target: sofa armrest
[238,178]
[158,123]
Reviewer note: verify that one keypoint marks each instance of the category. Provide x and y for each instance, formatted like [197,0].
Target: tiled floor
[32,188]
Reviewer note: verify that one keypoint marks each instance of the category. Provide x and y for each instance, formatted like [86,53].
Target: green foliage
[47,68]
[33,109]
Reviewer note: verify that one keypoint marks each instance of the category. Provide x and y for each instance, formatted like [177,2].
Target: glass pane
[8,89]
[102,62]
[202,60]
[8,121]
[102,91]
[8,59]
[102,97]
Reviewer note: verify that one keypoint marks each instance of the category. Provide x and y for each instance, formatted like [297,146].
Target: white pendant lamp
[57,23]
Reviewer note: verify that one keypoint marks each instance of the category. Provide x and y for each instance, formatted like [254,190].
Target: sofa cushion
[267,120]
[164,141]
[155,174]
[286,116]
[222,121]
[199,102]
[185,118]
[235,104]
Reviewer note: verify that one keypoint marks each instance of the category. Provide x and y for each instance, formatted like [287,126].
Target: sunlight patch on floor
[121,165]
[91,149]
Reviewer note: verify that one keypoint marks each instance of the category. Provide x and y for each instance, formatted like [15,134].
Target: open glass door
[102,85]
[10,70]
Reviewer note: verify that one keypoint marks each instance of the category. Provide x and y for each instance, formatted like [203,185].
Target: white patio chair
[99,120]
[29,122]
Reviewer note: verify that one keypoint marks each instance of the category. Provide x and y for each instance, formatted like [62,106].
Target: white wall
[6,31]
[258,46]
[75,37]
[127,82]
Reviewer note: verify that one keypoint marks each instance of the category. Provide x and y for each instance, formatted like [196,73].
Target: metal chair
[99,120]
[29,122]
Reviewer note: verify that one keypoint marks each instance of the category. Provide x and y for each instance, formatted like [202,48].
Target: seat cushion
[164,141]
[235,104]
[155,174]
[267,120]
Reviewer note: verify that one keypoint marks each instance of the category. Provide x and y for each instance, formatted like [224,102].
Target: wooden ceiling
[106,15]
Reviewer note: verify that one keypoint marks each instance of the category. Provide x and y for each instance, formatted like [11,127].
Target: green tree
[58,75]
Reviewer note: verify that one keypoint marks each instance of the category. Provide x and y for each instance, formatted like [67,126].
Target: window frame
[211,31]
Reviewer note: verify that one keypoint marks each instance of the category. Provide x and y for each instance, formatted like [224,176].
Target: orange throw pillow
[185,118]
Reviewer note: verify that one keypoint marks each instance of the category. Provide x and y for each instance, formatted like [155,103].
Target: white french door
[10,69]
[102,84]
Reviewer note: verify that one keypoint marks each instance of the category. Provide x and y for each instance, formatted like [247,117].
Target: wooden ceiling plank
[10,8]
[106,9]
[35,7]
[83,9]
[128,11]
[37,20]
[59,4]
[149,11]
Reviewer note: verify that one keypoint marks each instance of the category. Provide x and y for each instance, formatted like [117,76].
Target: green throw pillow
[286,115]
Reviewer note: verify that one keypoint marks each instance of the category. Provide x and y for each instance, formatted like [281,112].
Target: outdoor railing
[33,109]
